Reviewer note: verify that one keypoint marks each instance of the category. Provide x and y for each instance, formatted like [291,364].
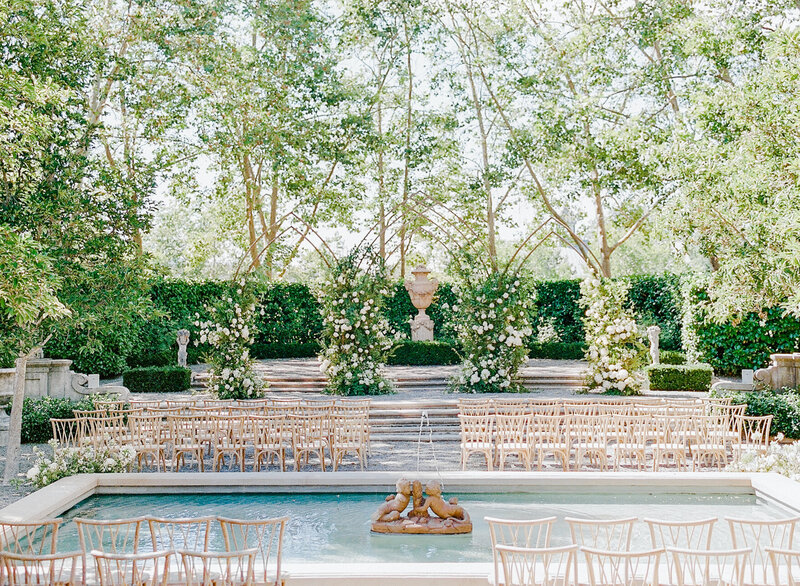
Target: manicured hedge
[557,350]
[157,379]
[557,301]
[406,352]
[675,377]
[36,415]
[784,406]
[285,350]
[672,357]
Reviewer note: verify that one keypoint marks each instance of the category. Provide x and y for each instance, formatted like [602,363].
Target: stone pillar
[421,291]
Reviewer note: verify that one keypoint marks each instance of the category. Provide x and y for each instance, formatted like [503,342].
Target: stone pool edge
[60,496]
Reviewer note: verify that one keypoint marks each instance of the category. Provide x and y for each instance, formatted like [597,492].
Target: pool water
[332,527]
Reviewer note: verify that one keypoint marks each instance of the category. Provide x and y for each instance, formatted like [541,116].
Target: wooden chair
[512,438]
[147,438]
[348,437]
[309,436]
[711,447]
[230,439]
[590,408]
[531,534]
[144,404]
[187,436]
[759,535]
[55,569]
[180,534]
[29,537]
[549,434]
[620,568]
[475,407]
[630,434]
[553,566]
[358,407]
[268,438]
[263,535]
[785,566]
[67,432]
[753,433]
[589,439]
[709,567]
[114,536]
[230,568]
[602,534]
[672,438]
[127,569]
[477,437]
[680,534]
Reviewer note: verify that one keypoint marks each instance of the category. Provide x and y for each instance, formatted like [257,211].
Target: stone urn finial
[421,291]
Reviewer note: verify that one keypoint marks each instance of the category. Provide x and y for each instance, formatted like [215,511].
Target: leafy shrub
[680,377]
[407,352]
[656,300]
[780,458]
[557,350]
[558,302]
[37,413]
[85,459]
[157,379]
[672,357]
[285,349]
[783,405]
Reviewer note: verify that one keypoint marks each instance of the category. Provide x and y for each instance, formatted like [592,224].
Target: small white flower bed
[493,325]
[783,459]
[230,332]
[355,333]
[614,349]
[86,459]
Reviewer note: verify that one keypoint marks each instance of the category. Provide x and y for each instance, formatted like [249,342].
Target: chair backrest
[475,407]
[476,429]
[589,429]
[582,408]
[180,534]
[680,534]
[554,566]
[266,429]
[702,567]
[62,569]
[117,536]
[619,568]
[754,431]
[348,429]
[67,432]
[125,569]
[309,428]
[603,534]
[219,568]
[531,534]
[512,428]
[29,538]
[146,428]
[672,429]
[265,535]
[785,566]
[548,429]
[758,535]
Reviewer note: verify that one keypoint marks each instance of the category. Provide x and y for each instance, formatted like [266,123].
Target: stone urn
[421,291]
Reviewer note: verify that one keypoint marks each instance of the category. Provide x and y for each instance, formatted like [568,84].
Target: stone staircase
[399,421]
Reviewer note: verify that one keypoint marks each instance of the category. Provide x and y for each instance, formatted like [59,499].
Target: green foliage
[783,405]
[157,379]
[557,350]
[37,413]
[559,303]
[407,352]
[656,300]
[672,357]
[285,350]
[400,311]
[680,377]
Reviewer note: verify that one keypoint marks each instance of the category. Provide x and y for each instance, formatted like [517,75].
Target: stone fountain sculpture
[421,291]
[430,515]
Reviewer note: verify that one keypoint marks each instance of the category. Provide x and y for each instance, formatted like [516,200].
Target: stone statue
[430,515]
[653,333]
[183,341]
[394,505]
[421,291]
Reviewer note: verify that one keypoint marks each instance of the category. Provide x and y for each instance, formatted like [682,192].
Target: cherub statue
[395,504]
[419,507]
[441,508]
[183,341]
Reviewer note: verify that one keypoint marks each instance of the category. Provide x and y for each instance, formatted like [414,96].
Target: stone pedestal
[422,327]
[421,291]
[784,372]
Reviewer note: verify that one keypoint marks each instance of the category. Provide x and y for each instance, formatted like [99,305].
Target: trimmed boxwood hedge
[285,350]
[157,379]
[410,353]
[672,357]
[680,377]
[557,350]
[36,415]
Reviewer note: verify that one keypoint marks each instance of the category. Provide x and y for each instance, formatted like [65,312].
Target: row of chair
[679,553]
[630,434]
[258,432]
[120,553]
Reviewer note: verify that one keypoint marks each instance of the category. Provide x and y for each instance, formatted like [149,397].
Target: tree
[28,302]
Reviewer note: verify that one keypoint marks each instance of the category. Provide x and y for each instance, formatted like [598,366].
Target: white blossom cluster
[546,331]
[85,459]
[492,324]
[614,349]
[356,335]
[230,332]
[780,458]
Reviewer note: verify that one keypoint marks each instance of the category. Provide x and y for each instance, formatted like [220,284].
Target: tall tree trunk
[15,425]
[381,185]
[251,228]
[407,158]
[273,228]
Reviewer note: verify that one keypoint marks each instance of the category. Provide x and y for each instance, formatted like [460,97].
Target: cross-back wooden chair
[550,435]
[229,568]
[268,440]
[67,432]
[477,437]
[680,534]
[348,437]
[602,534]
[759,535]
[263,535]
[111,536]
[230,439]
[187,435]
[54,569]
[309,436]
[753,433]
[556,566]
[127,569]
[622,568]
[707,567]
[589,439]
[532,533]
[630,435]
[29,537]
[785,566]
[148,439]
[511,438]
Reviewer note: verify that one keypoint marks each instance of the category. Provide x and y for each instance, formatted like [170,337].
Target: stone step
[438,438]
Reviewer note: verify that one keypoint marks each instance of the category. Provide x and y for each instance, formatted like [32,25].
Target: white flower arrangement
[781,458]
[84,459]
[356,337]
[614,348]
[230,332]
[492,324]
